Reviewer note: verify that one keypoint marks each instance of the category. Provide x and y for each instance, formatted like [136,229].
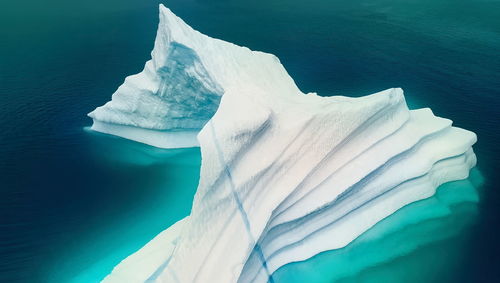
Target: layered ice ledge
[284,175]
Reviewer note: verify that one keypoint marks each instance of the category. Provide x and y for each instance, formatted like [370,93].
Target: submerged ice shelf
[442,218]
[285,175]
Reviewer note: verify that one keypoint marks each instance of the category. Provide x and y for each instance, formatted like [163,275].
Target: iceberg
[284,175]
[180,88]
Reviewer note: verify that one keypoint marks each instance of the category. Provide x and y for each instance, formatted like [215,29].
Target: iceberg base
[161,139]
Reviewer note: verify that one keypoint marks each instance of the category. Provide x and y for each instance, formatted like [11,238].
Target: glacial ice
[180,88]
[285,175]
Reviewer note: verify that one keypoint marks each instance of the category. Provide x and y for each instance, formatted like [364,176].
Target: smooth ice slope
[284,175]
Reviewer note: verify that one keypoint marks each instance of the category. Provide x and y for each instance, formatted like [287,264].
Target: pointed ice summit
[284,175]
[180,88]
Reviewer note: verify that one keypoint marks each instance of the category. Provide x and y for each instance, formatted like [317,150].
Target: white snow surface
[181,86]
[284,175]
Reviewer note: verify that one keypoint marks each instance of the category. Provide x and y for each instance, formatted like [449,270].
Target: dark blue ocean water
[74,203]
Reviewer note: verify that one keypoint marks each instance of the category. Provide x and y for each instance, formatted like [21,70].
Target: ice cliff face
[284,175]
[180,88]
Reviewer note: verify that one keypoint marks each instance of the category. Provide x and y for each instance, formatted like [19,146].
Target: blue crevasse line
[264,262]
[158,271]
[243,213]
[161,268]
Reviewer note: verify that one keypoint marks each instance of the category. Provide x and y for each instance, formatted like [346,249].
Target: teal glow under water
[74,203]
[167,199]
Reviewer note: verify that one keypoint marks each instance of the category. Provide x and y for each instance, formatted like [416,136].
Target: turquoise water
[156,202]
[74,203]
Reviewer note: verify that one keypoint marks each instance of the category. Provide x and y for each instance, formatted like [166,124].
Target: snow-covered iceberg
[180,88]
[285,175]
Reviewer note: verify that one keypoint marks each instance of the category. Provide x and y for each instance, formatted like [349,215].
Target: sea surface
[74,203]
